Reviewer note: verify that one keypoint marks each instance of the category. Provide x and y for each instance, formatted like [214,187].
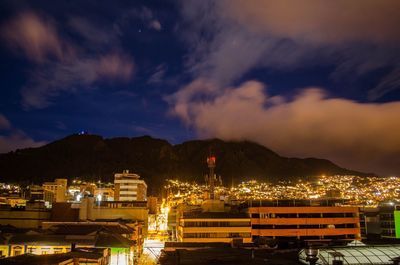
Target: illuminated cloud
[355,135]
[49,81]
[12,138]
[61,65]
[333,22]
[227,39]
[115,66]
[155,24]
[36,37]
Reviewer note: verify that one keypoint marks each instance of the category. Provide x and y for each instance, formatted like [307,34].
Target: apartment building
[129,187]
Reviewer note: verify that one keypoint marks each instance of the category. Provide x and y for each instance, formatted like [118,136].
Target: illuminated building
[30,216]
[213,223]
[303,220]
[105,194]
[13,202]
[381,221]
[128,187]
[93,256]
[63,237]
[127,211]
[55,191]
[35,193]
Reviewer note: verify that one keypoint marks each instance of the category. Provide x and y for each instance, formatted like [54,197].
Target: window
[31,250]
[17,251]
[58,250]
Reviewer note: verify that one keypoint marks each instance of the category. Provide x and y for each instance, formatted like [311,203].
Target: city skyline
[302,79]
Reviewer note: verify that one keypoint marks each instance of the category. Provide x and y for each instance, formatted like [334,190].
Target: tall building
[129,187]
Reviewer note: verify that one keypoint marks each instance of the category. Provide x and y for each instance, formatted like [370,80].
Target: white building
[129,187]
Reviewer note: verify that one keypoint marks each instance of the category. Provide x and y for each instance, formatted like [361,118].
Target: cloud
[34,36]
[49,81]
[61,64]
[388,84]
[96,35]
[115,66]
[144,14]
[4,123]
[355,135]
[17,140]
[313,21]
[13,138]
[155,24]
[227,39]
[148,17]
[158,75]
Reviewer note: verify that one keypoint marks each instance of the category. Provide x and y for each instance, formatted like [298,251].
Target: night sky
[304,78]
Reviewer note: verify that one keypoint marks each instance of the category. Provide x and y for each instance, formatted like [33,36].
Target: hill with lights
[94,157]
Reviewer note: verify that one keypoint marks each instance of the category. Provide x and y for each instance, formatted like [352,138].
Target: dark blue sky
[300,78]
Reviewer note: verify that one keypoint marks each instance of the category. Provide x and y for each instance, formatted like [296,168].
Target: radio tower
[211,178]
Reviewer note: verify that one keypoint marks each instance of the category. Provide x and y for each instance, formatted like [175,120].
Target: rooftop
[356,254]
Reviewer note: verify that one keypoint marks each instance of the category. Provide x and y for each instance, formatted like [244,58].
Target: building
[213,223]
[104,194]
[129,212]
[129,187]
[304,220]
[55,191]
[30,216]
[93,256]
[13,202]
[354,255]
[35,193]
[64,238]
[380,221]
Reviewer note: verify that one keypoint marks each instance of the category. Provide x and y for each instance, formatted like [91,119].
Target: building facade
[129,187]
[305,222]
[214,227]
[30,216]
[212,222]
[55,191]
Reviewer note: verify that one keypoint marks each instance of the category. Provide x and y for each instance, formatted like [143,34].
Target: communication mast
[211,161]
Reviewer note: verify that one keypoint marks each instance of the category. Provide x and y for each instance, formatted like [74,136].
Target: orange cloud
[322,22]
[356,135]
[34,36]
[115,66]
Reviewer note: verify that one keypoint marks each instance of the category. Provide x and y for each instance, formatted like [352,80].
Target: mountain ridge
[92,157]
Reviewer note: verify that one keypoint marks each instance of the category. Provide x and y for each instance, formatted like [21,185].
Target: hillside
[93,157]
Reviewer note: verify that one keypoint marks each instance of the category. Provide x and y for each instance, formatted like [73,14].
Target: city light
[356,190]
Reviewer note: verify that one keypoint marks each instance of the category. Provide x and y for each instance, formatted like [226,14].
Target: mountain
[93,157]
